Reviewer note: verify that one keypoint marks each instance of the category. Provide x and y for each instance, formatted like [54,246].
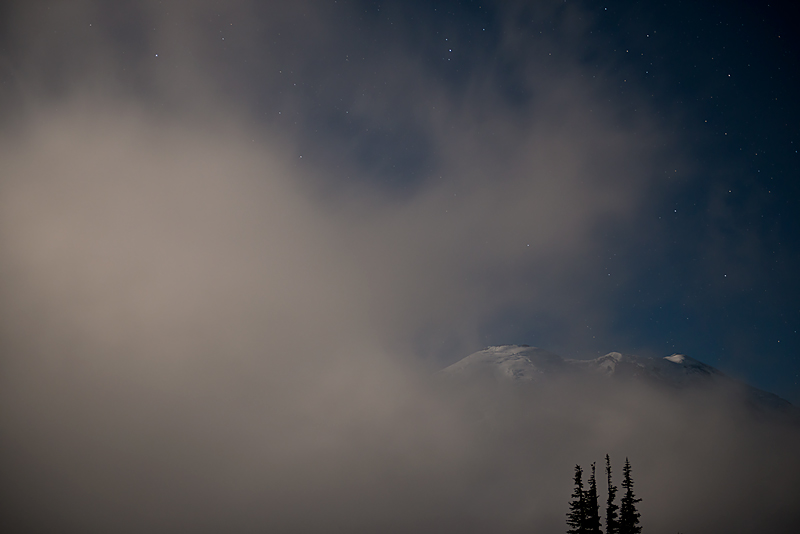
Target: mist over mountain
[690,431]
[359,441]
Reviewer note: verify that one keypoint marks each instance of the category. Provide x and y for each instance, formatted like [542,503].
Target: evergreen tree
[628,516]
[591,507]
[576,518]
[612,521]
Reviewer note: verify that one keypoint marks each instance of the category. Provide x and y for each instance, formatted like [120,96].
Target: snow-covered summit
[515,362]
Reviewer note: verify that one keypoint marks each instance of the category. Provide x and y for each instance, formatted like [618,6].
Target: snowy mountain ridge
[522,363]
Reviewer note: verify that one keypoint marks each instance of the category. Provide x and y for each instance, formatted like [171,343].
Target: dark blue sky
[715,269]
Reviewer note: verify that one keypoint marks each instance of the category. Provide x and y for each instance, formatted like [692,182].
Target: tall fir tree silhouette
[612,517]
[576,518]
[592,508]
[628,516]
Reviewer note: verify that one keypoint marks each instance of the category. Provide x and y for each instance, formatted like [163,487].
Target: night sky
[216,217]
[702,262]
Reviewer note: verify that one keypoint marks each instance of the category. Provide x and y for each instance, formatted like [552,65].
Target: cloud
[444,206]
[203,330]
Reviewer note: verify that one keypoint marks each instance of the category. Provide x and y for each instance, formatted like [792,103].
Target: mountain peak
[676,358]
